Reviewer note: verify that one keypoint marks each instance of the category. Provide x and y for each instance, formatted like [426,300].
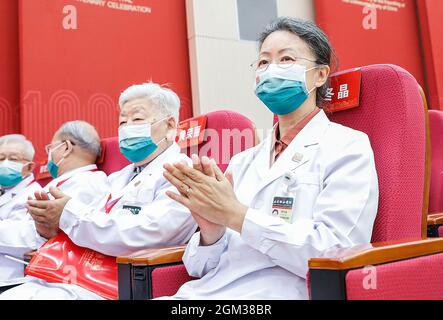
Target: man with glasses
[17,231]
[72,155]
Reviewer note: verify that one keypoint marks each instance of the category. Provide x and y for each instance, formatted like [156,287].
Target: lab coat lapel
[17,190]
[120,184]
[4,199]
[262,158]
[299,152]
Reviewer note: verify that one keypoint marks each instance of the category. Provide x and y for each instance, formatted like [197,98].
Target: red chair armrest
[374,254]
[153,257]
[435,219]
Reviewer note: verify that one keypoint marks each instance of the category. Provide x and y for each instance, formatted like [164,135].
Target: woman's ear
[322,75]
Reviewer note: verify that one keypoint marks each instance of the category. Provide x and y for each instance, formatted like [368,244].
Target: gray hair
[21,139]
[83,134]
[313,36]
[166,100]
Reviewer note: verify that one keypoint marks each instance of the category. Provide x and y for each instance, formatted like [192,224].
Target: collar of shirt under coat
[302,144]
[293,131]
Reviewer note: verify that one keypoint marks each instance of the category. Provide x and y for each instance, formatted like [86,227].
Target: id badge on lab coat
[282,207]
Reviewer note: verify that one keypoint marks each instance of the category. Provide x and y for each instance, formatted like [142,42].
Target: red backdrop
[69,74]
[9,76]
[431,22]
[396,38]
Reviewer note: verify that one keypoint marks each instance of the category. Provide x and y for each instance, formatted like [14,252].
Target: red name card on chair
[191,132]
[59,260]
[344,92]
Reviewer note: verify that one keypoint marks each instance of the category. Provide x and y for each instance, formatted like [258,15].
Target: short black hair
[314,37]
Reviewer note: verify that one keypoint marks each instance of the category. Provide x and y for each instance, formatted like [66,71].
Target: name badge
[282,208]
[133,209]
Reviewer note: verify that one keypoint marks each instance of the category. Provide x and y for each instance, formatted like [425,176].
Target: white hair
[82,134]
[166,100]
[21,139]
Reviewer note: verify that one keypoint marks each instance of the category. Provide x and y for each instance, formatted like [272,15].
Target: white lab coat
[82,183]
[161,222]
[85,184]
[335,188]
[17,230]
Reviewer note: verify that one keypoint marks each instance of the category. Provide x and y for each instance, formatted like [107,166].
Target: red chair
[407,265]
[111,159]
[226,134]
[435,218]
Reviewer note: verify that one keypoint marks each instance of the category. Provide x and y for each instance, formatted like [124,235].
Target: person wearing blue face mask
[17,183]
[310,186]
[136,213]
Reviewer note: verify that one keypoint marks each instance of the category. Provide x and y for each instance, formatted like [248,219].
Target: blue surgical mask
[10,173]
[52,166]
[282,90]
[136,142]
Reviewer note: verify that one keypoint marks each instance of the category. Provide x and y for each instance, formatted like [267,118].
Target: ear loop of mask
[152,124]
[312,90]
[62,159]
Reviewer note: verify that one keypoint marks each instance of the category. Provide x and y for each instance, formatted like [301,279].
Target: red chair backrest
[392,114]
[436,192]
[227,133]
[111,159]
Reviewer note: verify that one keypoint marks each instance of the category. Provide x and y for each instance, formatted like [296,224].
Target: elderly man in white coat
[136,214]
[17,230]
[309,187]
[72,154]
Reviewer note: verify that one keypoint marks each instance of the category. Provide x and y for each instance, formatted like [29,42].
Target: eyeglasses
[49,146]
[263,64]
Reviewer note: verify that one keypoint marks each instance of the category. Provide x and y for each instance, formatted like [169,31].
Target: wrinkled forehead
[13,149]
[141,106]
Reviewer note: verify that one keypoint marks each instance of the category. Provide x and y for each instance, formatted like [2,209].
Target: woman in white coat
[309,187]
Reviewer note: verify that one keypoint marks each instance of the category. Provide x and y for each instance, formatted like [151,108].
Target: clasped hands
[209,195]
[46,212]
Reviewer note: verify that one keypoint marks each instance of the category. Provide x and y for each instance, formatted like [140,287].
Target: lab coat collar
[70,174]
[297,154]
[156,165]
[18,189]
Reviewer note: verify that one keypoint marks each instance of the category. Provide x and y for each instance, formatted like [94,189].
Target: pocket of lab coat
[305,190]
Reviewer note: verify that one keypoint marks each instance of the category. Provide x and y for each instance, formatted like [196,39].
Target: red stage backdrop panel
[9,91]
[77,56]
[431,23]
[387,32]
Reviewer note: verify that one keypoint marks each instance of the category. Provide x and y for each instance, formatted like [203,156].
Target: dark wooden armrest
[374,254]
[435,219]
[29,255]
[153,257]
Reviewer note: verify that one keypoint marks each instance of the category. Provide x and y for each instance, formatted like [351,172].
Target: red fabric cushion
[391,113]
[227,133]
[167,280]
[112,159]
[418,279]
[436,192]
